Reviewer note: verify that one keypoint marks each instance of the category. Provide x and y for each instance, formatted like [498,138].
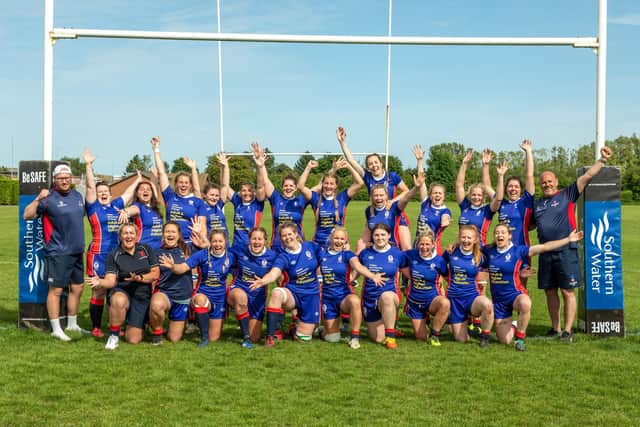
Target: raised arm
[259,157]
[163,179]
[31,210]
[487,156]
[128,194]
[302,181]
[358,182]
[499,195]
[226,192]
[552,245]
[195,178]
[462,173]
[90,194]
[530,182]
[584,179]
[404,199]
[341,134]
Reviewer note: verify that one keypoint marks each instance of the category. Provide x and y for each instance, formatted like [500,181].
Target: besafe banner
[32,292]
[602,298]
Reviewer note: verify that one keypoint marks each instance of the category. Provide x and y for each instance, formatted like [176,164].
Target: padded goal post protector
[34,175]
[601,298]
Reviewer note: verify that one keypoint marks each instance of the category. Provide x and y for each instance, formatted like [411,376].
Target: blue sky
[113,95]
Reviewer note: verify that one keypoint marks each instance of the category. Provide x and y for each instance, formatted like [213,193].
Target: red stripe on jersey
[516,277]
[406,218]
[285,279]
[439,241]
[138,222]
[96,233]
[47,228]
[439,288]
[90,264]
[525,225]
[484,230]
[571,215]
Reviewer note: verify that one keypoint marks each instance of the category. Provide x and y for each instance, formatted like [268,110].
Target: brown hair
[374,188]
[181,243]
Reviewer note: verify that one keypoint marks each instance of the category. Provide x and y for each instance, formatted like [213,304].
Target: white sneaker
[61,336]
[112,342]
[76,328]
[354,343]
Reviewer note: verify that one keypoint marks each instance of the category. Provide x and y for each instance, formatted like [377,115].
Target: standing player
[248,204]
[555,217]
[473,209]
[145,214]
[181,205]
[329,206]
[504,261]
[286,206]
[374,175]
[62,210]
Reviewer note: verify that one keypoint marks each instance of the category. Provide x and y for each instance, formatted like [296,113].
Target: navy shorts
[179,310]
[217,302]
[64,270]
[139,297]
[95,264]
[503,308]
[331,303]
[256,301]
[418,310]
[370,311]
[308,306]
[559,269]
[461,308]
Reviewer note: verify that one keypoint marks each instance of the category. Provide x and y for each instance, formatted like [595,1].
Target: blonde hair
[476,250]
[373,189]
[336,210]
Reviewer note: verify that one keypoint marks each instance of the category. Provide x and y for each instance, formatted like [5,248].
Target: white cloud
[628,19]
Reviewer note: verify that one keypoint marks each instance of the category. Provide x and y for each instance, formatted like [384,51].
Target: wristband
[156,149]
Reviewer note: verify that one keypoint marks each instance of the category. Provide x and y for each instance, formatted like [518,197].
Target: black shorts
[559,269]
[64,270]
[139,297]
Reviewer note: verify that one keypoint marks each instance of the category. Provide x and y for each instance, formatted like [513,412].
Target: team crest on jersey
[507,257]
[478,212]
[61,204]
[308,254]
[339,258]
[245,258]
[390,258]
[555,203]
[386,214]
[263,262]
[293,262]
[370,257]
[433,266]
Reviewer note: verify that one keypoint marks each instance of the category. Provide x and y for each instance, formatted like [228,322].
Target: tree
[140,163]
[241,170]
[77,167]
[301,163]
[180,166]
[443,163]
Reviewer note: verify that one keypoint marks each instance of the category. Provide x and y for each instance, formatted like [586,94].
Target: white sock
[72,321]
[55,326]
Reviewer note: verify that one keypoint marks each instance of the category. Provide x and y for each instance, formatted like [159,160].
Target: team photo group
[160,272]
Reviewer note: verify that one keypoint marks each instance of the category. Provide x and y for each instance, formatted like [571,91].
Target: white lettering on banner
[35,177]
[605,327]
[604,260]
[33,239]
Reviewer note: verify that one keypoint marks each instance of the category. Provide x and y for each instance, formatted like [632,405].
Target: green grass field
[588,382]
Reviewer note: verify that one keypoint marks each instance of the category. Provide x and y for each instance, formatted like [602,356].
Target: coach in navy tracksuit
[555,217]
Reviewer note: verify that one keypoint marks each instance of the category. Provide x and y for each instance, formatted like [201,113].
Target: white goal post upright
[52,34]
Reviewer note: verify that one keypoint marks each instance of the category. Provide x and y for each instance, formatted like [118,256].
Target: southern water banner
[32,288]
[602,297]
